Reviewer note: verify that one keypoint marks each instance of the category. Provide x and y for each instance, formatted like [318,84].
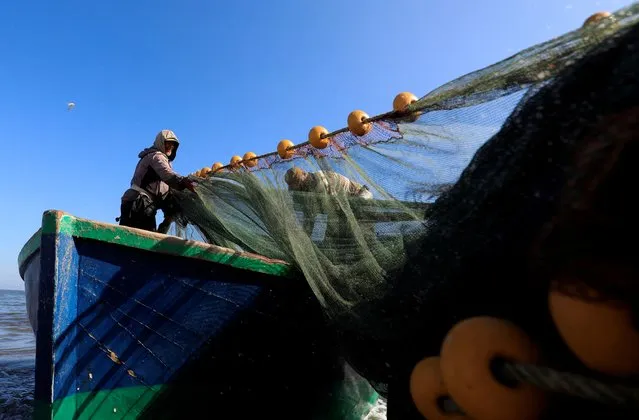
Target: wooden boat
[134,324]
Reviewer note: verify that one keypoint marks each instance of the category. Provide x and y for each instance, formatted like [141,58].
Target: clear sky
[227,76]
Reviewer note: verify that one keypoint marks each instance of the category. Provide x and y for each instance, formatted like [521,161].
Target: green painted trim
[32,245]
[54,222]
[131,402]
[119,403]
[50,220]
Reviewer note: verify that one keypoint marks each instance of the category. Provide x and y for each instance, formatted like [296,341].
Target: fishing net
[440,203]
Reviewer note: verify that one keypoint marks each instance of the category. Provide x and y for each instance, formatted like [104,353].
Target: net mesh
[431,216]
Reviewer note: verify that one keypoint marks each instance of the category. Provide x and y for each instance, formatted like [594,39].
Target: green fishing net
[343,244]
[353,237]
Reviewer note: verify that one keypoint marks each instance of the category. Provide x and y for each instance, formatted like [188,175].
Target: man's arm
[348,186]
[161,166]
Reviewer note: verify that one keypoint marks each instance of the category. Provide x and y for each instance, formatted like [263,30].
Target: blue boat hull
[134,333]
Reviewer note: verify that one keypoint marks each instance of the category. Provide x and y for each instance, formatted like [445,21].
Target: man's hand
[165,225]
[187,183]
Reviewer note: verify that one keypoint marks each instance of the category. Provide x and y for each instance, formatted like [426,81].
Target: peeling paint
[114,357]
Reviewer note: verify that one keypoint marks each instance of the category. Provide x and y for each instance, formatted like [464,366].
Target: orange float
[283,149]
[217,166]
[401,101]
[596,18]
[467,356]
[599,332]
[356,124]
[316,139]
[427,390]
[235,160]
[249,159]
[204,172]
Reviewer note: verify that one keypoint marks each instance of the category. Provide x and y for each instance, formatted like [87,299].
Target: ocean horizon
[17,357]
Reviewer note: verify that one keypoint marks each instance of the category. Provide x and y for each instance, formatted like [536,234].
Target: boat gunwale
[58,222]
[28,250]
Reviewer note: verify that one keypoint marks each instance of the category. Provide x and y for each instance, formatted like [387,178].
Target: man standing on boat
[151,186]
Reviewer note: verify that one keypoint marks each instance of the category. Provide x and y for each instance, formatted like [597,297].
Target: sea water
[17,357]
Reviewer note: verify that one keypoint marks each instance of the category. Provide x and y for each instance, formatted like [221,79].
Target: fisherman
[327,182]
[330,183]
[151,186]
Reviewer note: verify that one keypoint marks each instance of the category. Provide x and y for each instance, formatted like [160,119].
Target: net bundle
[433,213]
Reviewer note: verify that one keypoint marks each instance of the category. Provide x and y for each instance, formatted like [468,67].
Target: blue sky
[227,77]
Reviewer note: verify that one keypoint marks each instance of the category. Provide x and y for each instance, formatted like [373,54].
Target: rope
[385,115]
[568,383]
[554,381]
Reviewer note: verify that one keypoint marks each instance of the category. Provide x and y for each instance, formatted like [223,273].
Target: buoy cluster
[599,332]
[463,373]
[358,123]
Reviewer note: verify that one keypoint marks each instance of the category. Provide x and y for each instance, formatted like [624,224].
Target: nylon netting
[450,195]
